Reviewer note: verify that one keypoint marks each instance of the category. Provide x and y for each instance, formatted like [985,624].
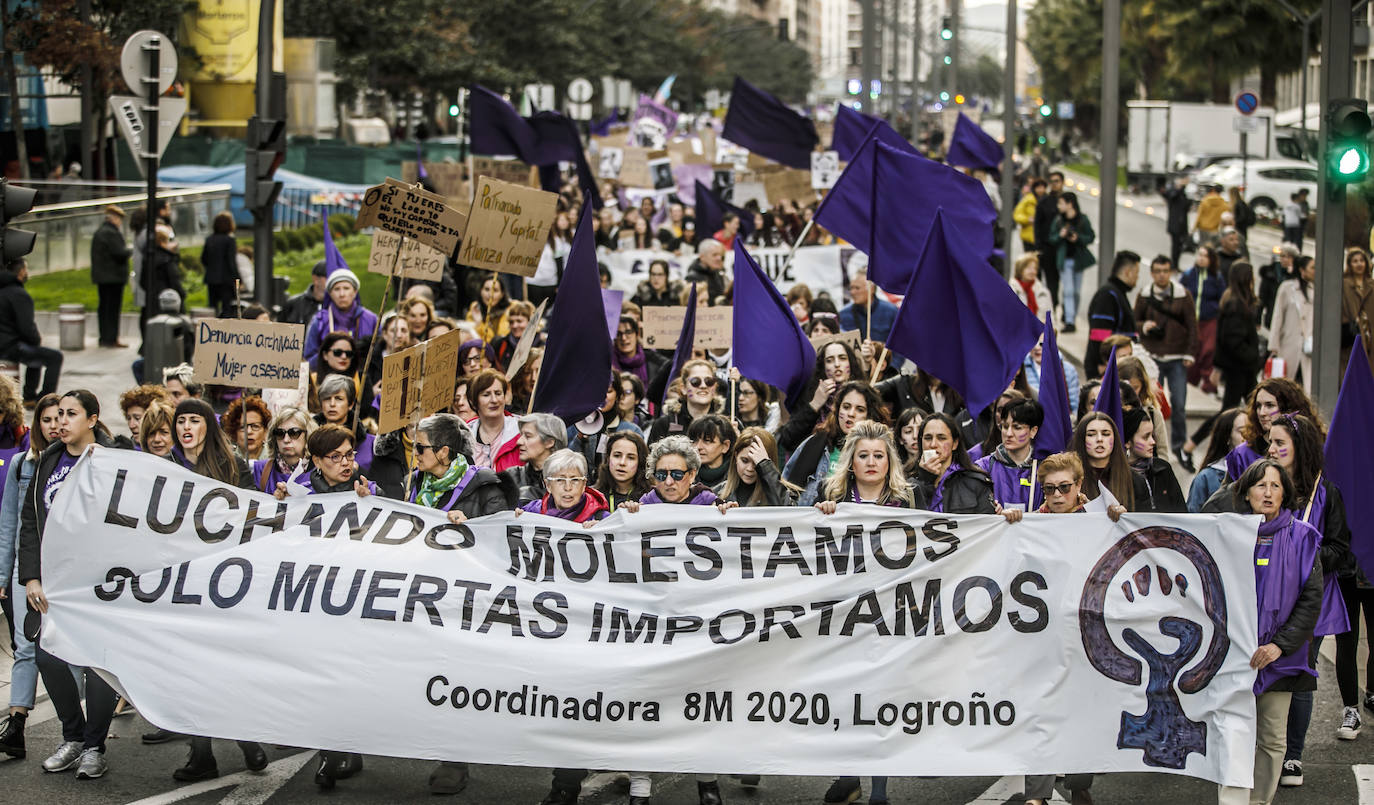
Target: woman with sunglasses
[1288,582]
[83,731]
[947,478]
[699,385]
[338,356]
[203,448]
[569,497]
[18,474]
[338,395]
[1161,485]
[155,430]
[673,465]
[1098,446]
[1272,397]
[622,476]
[810,464]
[286,439]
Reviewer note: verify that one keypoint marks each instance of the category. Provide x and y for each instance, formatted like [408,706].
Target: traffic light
[1347,156]
[265,152]
[946,28]
[949,60]
[1045,110]
[453,110]
[944,96]
[959,99]
[14,202]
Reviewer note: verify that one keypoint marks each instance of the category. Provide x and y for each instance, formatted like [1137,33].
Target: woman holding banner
[569,497]
[286,438]
[18,474]
[83,731]
[1288,581]
[946,476]
[673,466]
[753,478]
[338,394]
[1098,446]
[622,476]
[203,448]
[344,312]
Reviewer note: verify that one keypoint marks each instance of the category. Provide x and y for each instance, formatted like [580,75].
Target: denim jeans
[1175,375]
[24,673]
[1069,282]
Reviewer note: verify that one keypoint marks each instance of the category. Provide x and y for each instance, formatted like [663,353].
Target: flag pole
[367,362]
[415,423]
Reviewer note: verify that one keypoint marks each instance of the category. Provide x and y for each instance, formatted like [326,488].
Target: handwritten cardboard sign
[526,342]
[508,227]
[400,397]
[440,372]
[426,217]
[687,152]
[447,178]
[634,167]
[507,170]
[850,337]
[788,183]
[663,325]
[243,352]
[417,261]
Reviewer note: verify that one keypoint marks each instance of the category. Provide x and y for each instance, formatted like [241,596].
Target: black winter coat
[110,255]
[17,324]
[1238,341]
[966,491]
[33,512]
[484,494]
[164,273]
[219,255]
[1164,493]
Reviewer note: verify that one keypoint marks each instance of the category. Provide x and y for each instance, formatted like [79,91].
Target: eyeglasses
[253,427]
[339,458]
[662,475]
[567,483]
[1059,489]
[475,357]
[421,448]
[625,333]
[294,433]
[341,353]
[699,382]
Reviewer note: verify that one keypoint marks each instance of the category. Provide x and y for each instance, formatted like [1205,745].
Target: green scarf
[432,487]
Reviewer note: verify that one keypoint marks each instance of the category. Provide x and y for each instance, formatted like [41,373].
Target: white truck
[1167,137]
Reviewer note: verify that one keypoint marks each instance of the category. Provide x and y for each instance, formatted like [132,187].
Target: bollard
[71,327]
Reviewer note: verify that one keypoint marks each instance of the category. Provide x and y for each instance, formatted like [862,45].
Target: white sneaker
[1292,774]
[93,765]
[1349,729]
[68,754]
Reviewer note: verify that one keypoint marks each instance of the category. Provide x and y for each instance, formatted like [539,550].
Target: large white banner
[822,268]
[773,641]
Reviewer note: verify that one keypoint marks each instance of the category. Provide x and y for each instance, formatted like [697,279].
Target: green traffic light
[1045,110]
[944,96]
[949,60]
[1352,162]
[453,110]
[1042,140]
[946,34]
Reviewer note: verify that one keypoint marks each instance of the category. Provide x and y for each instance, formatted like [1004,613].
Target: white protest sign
[871,641]
[244,352]
[417,261]
[819,267]
[825,169]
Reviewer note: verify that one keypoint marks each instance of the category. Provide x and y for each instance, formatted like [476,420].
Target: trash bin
[71,327]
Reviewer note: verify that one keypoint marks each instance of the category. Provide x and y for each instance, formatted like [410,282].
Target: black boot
[750,782]
[200,765]
[709,793]
[253,755]
[347,764]
[843,790]
[324,776]
[12,736]
[559,795]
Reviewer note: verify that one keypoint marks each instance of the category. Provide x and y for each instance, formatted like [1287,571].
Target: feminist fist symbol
[1163,731]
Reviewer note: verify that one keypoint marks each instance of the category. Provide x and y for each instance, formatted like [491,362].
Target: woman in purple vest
[1274,396]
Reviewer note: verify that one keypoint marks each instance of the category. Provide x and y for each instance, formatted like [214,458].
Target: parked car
[1268,182]
[1188,164]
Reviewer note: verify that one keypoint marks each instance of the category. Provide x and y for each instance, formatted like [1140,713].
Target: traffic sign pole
[153,50]
[1246,104]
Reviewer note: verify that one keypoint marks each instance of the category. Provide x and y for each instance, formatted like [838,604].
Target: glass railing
[65,228]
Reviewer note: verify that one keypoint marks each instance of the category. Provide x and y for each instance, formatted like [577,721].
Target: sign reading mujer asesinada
[774,641]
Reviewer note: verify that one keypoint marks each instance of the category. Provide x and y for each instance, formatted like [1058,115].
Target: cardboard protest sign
[825,169]
[609,162]
[508,227]
[417,261]
[506,170]
[687,152]
[661,171]
[400,397]
[440,371]
[634,167]
[447,178]
[663,325]
[788,183]
[526,342]
[850,337]
[413,212]
[244,352]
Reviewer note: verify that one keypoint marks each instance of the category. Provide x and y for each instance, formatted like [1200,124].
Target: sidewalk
[104,371]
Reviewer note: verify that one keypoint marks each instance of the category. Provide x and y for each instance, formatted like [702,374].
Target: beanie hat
[341,275]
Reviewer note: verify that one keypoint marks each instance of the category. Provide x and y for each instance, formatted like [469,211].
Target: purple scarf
[633,364]
[937,500]
[1278,584]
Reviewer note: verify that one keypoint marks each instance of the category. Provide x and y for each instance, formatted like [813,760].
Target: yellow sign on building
[224,34]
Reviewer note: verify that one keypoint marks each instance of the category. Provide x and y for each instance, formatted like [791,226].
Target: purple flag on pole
[577,360]
[1056,432]
[960,321]
[602,128]
[971,147]
[878,183]
[769,344]
[1349,444]
[611,301]
[765,125]
[686,337]
[1109,398]
[710,211]
[852,127]
[333,258]
[543,139]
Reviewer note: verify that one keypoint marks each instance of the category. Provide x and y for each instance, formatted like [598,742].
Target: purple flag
[710,210]
[768,342]
[602,128]
[852,127]
[765,125]
[1109,398]
[650,108]
[960,321]
[612,300]
[577,359]
[879,182]
[686,338]
[1349,444]
[333,258]
[543,139]
[1056,432]
[971,147]
[420,172]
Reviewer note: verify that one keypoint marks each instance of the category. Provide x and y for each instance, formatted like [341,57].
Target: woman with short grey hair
[672,469]
[540,436]
[569,497]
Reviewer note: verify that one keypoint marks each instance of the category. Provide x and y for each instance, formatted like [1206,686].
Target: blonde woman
[868,471]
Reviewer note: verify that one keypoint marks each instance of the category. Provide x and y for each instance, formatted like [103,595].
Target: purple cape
[1278,585]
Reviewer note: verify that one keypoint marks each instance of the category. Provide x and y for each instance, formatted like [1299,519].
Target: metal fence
[65,229]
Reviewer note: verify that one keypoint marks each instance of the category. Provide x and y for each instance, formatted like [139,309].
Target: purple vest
[1011,485]
[1281,570]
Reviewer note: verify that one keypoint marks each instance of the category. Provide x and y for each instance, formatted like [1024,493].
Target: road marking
[1010,788]
[1364,783]
[250,788]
